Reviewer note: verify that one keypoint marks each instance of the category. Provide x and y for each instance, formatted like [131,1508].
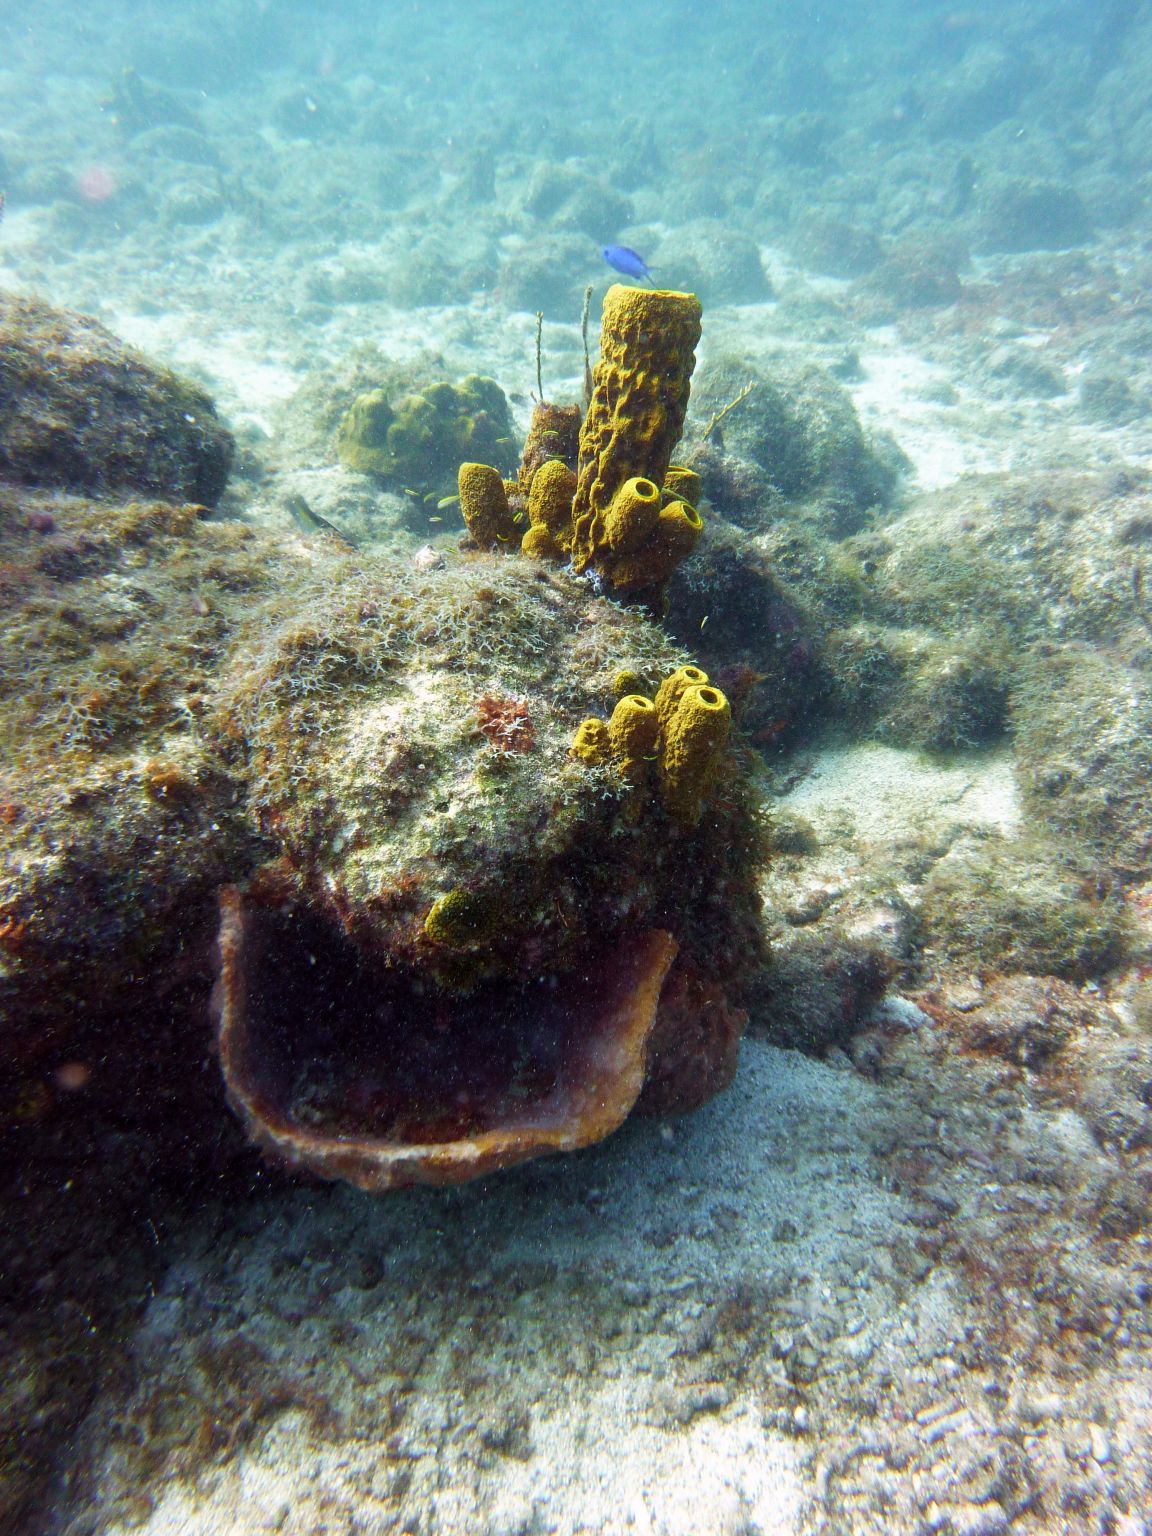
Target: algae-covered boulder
[1020,904]
[721,265]
[916,688]
[982,89]
[118,820]
[81,411]
[567,198]
[834,247]
[545,273]
[797,428]
[474,944]
[447,943]
[1023,215]
[915,274]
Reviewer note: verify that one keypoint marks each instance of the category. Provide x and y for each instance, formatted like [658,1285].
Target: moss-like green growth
[462,918]
[915,689]
[1083,731]
[80,410]
[420,439]
[627,681]
[1017,906]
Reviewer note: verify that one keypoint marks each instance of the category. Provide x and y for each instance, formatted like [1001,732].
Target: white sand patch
[630,1478]
[884,794]
[628,1426]
[244,378]
[901,394]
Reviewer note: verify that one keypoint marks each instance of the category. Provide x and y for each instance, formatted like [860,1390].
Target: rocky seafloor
[897,1277]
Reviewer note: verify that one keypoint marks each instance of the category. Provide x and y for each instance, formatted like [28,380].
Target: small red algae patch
[504,722]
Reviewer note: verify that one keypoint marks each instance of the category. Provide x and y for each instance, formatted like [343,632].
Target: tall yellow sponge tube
[694,738]
[640,389]
[633,732]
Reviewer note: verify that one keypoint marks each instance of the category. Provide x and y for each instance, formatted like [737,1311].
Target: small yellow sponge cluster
[681,734]
[646,530]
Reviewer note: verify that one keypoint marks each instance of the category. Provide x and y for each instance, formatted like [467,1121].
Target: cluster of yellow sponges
[678,737]
[644,533]
[626,511]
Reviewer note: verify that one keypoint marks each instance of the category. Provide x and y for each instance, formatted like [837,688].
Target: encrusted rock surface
[80,410]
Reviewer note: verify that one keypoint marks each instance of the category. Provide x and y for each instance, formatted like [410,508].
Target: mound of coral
[447,938]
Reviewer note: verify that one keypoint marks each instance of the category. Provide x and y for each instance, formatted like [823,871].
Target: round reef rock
[472,945]
[81,411]
[445,941]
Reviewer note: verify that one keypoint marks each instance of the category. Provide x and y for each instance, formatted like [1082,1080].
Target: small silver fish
[312,522]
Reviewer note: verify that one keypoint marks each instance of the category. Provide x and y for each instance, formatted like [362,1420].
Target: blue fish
[623,259]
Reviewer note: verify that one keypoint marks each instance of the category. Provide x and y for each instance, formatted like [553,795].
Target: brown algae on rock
[446,939]
[80,410]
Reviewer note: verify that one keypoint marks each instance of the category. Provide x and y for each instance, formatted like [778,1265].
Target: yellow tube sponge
[676,534]
[550,500]
[538,544]
[640,389]
[682,484]
[669,691]
[690,752]
[592,744]
[632,516]
[673,538]
[484,503]
[633,732]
